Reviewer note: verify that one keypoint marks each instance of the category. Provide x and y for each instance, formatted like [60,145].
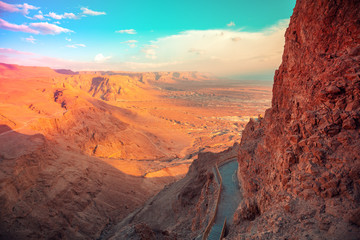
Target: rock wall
[303,158]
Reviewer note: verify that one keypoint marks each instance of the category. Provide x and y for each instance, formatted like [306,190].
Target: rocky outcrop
[115,87]
[300,165]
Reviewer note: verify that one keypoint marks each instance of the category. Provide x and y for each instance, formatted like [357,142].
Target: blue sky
[228,38]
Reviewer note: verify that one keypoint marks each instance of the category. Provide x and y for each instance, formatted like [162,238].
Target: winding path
[230,198]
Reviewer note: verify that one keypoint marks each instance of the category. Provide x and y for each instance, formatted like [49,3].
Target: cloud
[222,52]
[38,16]
[219,51]
[66,15]
[22,8]
[230,24]
[152,46]
[62,16]
[128,31]
[30,39]
[196,51]
[16,28]
[87,11]
[76,45]
[150,51]
[26,7]
[13,51]
[48,28]
[36,28]
[68,39]
[130,41]
[69,15]
[54,15]
[9,7]
[101,58]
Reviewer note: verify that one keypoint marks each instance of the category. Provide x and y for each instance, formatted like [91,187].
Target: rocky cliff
[300,165]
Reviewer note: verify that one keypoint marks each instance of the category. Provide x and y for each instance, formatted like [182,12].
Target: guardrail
[212,220]
[223,230]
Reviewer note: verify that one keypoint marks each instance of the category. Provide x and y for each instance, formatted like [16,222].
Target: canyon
[81,150]
[124,155]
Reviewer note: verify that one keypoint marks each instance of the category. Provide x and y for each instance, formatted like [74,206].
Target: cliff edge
[300,165]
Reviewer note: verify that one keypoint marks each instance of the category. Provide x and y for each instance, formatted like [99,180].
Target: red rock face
[305,152]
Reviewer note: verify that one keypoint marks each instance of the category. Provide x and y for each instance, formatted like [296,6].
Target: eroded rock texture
[300,164]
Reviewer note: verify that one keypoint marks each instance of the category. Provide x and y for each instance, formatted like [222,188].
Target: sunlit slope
[81,111]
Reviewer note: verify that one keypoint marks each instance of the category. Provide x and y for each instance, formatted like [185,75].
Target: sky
[230,38]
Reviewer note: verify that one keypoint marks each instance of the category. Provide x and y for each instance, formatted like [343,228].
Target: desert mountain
[80,151]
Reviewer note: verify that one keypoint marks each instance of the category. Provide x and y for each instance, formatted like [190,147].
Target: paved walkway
[230,198]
